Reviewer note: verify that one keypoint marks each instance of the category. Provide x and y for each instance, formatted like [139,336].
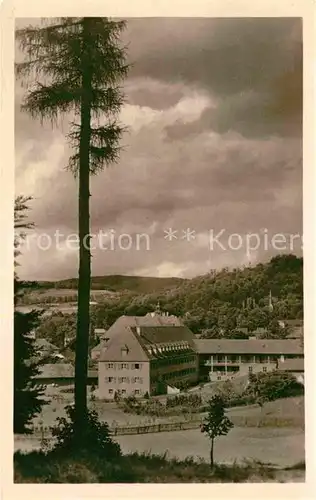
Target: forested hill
[221,303]
[238,297]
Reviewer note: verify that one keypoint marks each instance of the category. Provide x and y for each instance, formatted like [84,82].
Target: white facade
[124,378]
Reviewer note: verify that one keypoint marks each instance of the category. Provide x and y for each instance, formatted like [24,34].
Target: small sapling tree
[216,423]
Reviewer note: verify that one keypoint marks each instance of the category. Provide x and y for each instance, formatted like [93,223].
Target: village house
[295,367]
[221,359]
[151,354]
[62,375]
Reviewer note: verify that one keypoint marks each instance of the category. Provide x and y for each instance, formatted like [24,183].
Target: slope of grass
[36,467]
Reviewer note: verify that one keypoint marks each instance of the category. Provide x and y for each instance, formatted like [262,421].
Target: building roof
[100,331]
[137,332]
[56,370]
[43,344]
[112,351]
[248,346]
[259,331]
[165,334]
[151,319]
[292,365]
[242,329]
[296,332]
[293,322]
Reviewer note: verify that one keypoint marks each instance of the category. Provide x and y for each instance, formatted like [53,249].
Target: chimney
[138,330]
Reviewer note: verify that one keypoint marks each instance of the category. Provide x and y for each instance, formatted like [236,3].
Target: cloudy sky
[214,111]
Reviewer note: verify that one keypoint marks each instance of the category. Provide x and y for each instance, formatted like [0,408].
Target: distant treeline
[113,283]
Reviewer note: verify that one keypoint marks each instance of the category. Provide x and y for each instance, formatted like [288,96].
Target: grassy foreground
[38,467]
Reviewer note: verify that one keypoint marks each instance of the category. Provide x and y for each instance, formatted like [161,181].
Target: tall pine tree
[28,399]
[75,66]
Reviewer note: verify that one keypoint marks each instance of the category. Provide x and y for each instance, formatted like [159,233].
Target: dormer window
[124,351]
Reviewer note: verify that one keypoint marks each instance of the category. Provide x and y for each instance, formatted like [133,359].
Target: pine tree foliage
[61,58]
[20,222]
[28,399]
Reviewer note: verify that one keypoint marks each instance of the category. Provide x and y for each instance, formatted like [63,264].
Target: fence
[238,420]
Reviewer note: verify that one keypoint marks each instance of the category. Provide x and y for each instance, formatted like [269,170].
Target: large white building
[150,354]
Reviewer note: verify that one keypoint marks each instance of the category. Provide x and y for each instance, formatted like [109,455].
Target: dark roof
[56,370]
[165,334]
[292,365]
[162,341]
[248,346]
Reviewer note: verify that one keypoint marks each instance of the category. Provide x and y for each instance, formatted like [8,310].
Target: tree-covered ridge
[225,300]
[221,303]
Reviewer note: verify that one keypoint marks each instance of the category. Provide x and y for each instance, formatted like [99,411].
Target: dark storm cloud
[254,65]
[252,50]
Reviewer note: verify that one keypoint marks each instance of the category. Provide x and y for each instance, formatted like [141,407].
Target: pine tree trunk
[212,453]
[83,315]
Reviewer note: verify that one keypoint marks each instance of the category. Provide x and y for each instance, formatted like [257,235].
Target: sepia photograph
[158,250]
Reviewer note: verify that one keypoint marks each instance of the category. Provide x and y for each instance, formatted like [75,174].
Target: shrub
[95,437]
[274,385]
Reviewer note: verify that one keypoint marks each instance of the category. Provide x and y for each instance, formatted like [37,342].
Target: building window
[123,391]
[110,391]
[110,379]
[264,369]
[110,365]
[123,380]
[139,380]
[250,369]
[123,366]
[137,366]
[137,392]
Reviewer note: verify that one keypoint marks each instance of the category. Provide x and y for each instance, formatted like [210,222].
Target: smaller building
[46,352]
[295,367]
[61,374]
[220,359]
